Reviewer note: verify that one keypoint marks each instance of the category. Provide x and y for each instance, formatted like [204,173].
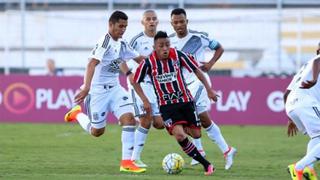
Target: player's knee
[205,119]
[145,122]
[97,132]
[127,120]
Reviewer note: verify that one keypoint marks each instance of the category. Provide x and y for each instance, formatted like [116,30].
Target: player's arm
[138,77]
[191,65]
[213,45]
[315,73]
[139,59]
[87,81]
[291,127]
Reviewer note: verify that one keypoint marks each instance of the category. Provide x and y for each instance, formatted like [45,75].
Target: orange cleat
[72,114]
[129,166]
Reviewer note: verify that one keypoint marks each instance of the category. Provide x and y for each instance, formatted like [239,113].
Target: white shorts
[200,96]
[307,120]
[148,90]
[115,99]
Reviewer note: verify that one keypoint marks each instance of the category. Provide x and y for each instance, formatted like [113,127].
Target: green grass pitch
[64,151]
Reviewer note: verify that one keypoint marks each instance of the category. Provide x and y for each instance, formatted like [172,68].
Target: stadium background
[265,42]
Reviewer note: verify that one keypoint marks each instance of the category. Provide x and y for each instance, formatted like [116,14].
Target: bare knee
[97,132]
[205,119]
[158,122]
[145,122]
[127,120]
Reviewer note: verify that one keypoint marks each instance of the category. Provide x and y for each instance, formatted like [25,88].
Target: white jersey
[110,53]
[144,45]
[299,97]
[194,43]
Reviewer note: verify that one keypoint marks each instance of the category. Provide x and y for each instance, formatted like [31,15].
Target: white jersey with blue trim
[143,44]
[303,97]
[110,53]
[194,43]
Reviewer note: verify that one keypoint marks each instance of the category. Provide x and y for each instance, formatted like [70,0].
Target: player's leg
[189,148]
[122,108]
[309,171]
[307,121]
[91,123]
[309,116]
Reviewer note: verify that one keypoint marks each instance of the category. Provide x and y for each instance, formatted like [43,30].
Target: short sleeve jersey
[110,53]
[195,43]
[143,44]
[309,96]
[166,76]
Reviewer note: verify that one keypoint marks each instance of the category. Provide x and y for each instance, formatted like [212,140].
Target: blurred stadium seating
[250,36]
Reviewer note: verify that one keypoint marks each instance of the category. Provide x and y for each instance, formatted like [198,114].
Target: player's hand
[308,84]
[212,94]
[147,107]
[292,129]
[78,99]
[206,66]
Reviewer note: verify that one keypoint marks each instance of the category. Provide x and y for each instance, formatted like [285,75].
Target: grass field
[64,151]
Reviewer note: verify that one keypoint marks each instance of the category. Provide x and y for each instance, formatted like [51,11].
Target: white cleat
[229,157]
[195,162]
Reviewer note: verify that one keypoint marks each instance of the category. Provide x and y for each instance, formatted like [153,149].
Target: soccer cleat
[72,114]
[140,164]
[228,156]
[309,173]
[210,170]
[129,166]
[195,162]
[295,175]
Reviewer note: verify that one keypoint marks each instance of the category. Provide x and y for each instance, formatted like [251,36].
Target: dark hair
[178,11]
[116,16]
[160,34]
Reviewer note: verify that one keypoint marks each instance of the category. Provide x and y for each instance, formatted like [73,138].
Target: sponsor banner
[243,101]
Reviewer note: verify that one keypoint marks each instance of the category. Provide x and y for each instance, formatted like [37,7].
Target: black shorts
[180,113]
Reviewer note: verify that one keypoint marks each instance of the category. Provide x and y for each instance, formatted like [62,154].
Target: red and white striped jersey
[166,76]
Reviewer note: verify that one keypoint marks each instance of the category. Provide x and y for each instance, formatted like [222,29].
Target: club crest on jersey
[114,66]
[167,77]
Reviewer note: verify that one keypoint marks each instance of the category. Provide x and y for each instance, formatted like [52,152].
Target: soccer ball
[172,163]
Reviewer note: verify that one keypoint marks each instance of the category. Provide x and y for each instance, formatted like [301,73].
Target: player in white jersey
[196,43]
[302,103]
[102,90]
[143,43]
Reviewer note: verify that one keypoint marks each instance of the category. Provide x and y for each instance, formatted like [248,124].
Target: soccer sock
[312,143]
[309,158]
[198,144]
[84,122]
[140,137]
[189,148]
[215,135]
[127,139]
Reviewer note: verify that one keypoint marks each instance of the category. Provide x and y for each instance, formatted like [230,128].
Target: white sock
[127,139]
[312,143]
[84,122]
[198,144]
[215,135]
[140,137]
[312,156]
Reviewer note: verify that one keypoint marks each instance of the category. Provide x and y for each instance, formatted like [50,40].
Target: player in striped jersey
[164,66]
[143,43]
[196,43]
[102,90]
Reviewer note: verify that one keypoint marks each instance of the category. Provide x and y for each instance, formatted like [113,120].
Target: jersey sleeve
[142,71]
[187,61]
[210,43]
[100,48]
[127,52]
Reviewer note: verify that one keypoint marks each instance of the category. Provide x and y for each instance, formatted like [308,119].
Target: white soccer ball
[172,163]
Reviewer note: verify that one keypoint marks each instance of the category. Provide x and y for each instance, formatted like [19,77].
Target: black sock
[189,148]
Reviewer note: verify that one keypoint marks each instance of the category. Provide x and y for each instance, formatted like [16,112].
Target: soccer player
[164,67]
[302,104]
[143,43]
[196,43]
[103,92]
